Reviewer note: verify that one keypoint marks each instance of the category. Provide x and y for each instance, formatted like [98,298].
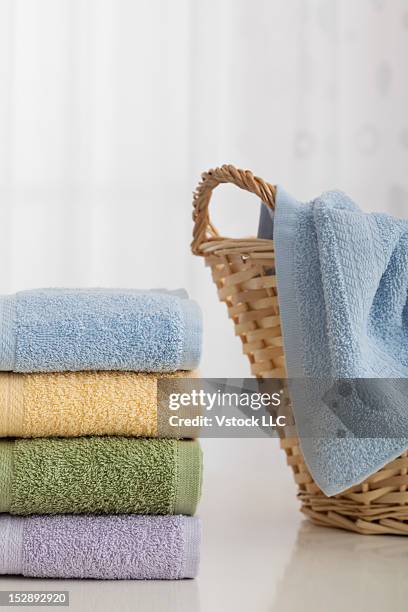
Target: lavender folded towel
[104,547]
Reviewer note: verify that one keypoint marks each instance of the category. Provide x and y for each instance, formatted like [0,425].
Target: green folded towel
[101,475]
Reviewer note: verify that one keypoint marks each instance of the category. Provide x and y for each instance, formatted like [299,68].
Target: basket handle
[203,228]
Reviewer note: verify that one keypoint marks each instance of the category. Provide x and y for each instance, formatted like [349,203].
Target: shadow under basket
[244,272]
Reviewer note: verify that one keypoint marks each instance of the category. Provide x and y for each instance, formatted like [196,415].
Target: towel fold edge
[192,338]
[11,404]
[192,544]
[7,332]
[286,219]
[188,460]
[6,474]
[11,544]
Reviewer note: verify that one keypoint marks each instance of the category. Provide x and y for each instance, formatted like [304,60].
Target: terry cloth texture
[342,279]
[98,329]
[80,403]
[100,475]
[104,547]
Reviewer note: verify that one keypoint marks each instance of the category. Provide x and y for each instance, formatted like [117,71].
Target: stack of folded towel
[82,470]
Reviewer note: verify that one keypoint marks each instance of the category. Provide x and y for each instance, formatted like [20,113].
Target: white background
[110,109]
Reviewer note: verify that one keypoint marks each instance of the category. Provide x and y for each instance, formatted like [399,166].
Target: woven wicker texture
[244,272]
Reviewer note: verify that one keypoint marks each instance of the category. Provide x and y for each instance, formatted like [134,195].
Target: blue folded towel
[99,329]
[342,279]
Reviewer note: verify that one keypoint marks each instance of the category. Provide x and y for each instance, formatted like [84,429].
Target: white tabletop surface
[258,553]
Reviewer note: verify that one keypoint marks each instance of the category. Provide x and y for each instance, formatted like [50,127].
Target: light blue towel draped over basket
[342,279]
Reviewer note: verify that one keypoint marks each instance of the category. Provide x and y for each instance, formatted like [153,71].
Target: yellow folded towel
[79,403]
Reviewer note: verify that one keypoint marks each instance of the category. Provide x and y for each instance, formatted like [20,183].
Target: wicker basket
[244,272]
